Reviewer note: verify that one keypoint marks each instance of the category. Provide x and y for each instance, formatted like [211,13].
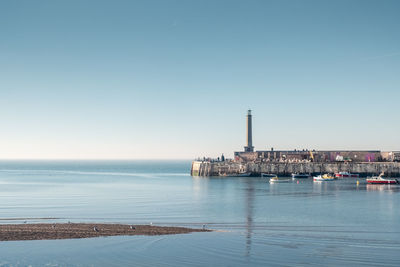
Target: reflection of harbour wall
[228,168]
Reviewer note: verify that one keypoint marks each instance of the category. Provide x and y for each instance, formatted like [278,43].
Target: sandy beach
[12,232]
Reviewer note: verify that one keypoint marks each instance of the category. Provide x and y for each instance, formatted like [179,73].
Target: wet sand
[41,231]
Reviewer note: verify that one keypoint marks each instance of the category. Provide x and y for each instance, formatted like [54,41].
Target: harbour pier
[232,168]
[286,162]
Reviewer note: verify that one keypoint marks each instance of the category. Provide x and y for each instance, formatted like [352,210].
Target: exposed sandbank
[41,231]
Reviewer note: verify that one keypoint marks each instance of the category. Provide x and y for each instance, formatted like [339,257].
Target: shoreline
[48,231]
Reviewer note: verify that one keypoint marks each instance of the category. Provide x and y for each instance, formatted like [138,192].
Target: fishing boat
[346,175]
[239,174]
[268,175]
[242,174]
[277,180]
[325,177]
[381,180]
[300,175]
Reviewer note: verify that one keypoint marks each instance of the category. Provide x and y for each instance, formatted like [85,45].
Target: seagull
[132,227]
[151,223]
[95,229]
[204,227]
[54,226]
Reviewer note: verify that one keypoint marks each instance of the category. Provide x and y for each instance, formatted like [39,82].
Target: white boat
[381,180]
[322,178]
[275,179]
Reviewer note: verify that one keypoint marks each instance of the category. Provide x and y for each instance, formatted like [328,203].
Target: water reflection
[218,192]
[383,188]
[199,187]
[249,214]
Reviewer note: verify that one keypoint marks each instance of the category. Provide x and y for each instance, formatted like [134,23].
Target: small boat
[381,180]
[268,175]
[277,180]
[346,175]
[239,174]
[325,177]
[300,175]
[242,174]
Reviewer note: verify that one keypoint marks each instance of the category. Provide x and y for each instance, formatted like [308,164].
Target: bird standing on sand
[95,229]
[132,227]
[204,227]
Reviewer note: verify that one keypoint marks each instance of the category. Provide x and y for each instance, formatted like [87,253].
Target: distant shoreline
[46,231]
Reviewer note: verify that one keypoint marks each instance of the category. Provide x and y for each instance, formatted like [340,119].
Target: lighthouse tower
[249,147]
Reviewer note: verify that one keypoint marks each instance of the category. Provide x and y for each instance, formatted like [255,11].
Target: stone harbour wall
[233,168]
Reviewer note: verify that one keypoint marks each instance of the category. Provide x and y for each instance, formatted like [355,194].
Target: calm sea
[293,224]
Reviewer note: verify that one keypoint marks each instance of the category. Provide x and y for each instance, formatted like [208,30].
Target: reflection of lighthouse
[249,214]
[249,147]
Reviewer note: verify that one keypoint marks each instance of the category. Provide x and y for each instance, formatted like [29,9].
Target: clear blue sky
[173,79]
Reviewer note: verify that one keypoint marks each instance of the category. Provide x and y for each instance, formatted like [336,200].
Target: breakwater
[233,168]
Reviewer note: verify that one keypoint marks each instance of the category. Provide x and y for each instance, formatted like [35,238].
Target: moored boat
[239,174]
[300,175]
[277,180]
[325,177]
[268,175]
[381,180]
[346,175]
[242,174]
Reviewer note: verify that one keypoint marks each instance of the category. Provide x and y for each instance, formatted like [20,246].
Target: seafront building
[285,162]
[306,155]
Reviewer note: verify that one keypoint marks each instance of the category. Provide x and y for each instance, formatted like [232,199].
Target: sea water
[257,224]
